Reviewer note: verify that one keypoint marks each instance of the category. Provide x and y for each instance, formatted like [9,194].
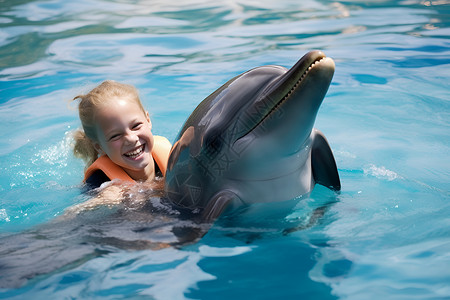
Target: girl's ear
[147,116]
[98,148]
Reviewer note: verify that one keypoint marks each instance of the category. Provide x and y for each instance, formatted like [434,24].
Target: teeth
[298,82]
[276,107]
[135,153]
[311,66]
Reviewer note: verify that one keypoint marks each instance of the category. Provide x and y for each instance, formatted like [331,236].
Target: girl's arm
[117,192]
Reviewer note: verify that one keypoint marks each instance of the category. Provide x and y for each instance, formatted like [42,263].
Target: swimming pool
[386,116]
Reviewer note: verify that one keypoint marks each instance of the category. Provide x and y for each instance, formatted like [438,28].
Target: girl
[116,141]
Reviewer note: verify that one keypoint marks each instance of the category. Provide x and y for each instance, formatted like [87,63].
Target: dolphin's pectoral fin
[217,204]
[323,164]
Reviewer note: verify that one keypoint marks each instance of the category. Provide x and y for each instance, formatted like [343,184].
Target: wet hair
[87,108]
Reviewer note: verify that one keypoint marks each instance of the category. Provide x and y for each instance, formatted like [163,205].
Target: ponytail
[84,148]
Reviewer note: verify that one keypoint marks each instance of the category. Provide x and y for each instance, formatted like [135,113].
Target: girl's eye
[137,125]
[114,137]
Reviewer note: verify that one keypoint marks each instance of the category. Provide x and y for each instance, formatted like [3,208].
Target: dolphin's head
[248,129]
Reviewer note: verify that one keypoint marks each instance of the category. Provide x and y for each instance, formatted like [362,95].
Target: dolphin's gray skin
[253,140]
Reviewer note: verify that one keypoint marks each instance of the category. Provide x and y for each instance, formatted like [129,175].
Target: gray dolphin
[253,140]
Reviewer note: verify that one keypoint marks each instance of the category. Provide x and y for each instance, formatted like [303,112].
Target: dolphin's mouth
[291,91]
[283,89]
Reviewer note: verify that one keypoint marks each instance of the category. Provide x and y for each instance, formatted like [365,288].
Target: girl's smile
[135,154]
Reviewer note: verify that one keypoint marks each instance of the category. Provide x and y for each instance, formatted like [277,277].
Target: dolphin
[253,141]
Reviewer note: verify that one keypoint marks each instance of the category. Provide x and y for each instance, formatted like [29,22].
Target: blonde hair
[89,104]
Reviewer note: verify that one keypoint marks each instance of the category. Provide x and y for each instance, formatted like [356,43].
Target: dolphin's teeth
[277,106]
[309,69]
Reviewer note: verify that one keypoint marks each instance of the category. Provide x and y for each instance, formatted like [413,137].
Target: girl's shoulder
[161,152]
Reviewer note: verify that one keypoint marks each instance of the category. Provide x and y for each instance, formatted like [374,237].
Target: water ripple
[386,116]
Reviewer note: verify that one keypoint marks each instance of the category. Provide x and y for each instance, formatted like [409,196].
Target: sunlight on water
[386,116]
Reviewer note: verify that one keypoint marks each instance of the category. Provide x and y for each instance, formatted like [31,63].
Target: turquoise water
[386,116]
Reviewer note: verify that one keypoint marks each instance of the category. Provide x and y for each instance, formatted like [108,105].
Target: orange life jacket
[160,153]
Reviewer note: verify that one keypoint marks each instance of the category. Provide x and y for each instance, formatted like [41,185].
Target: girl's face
[124,134]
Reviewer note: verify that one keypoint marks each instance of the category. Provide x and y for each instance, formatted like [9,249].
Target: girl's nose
[131,138]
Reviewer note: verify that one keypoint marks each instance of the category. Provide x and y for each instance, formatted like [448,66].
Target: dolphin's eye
[213,143]
[216,143]
[213,139]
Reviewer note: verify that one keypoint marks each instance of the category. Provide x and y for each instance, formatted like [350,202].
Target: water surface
[386,116]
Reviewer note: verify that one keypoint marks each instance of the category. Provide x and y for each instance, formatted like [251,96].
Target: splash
[4,216]
[57,154]
[381,172]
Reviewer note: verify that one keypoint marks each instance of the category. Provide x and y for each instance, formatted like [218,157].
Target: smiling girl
[116,141]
